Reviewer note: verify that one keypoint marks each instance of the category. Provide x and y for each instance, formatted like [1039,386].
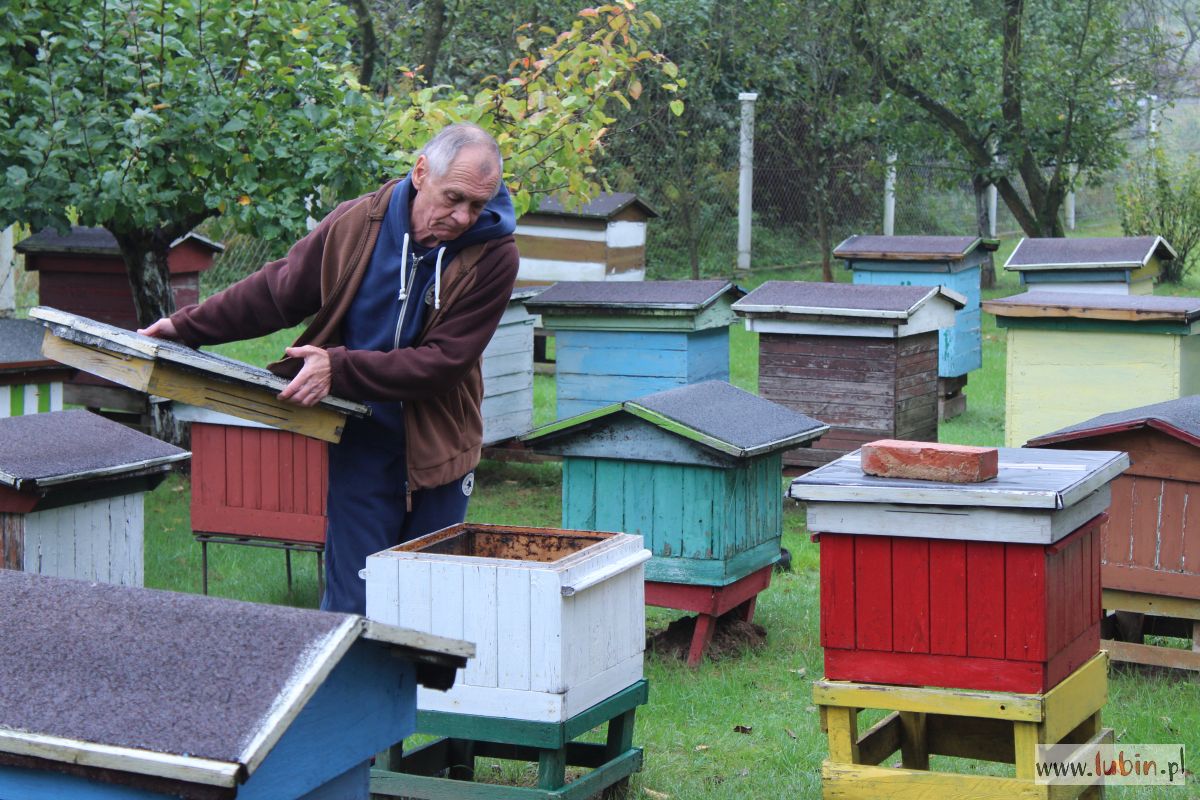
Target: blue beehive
[950,261]
[615,341]
[119,693]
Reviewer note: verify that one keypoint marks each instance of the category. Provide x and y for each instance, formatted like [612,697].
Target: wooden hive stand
[444,769]
[1001,727]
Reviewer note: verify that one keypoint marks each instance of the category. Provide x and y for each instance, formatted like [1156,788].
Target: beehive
[603,240]
[508,372]
[618,341]
[951,261]
[1102,265]
[1071,356]
[112,692]
[556,615]
[863,359]
[1151,543]
[71,491]
[29,382]
[992,586]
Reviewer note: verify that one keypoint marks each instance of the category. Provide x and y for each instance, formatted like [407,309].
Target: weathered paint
[508,376]
[598,367]
[705,525]
[960,347]
[1057,378]
[96,540]
[30,398]
[539,655]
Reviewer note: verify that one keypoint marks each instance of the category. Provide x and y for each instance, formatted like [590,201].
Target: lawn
[741,727]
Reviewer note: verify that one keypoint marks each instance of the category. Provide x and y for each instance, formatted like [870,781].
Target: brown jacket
[439,379]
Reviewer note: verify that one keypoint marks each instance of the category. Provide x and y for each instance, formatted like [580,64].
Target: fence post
[8,274]
[889,196]
[745,178]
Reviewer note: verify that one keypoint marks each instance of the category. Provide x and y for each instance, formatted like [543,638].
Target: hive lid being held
[1094,253]
[712,414]
[177,372]
[1179,418]
[1111,307]
[182,687]
[907,248]
[1039,479]
[42,450]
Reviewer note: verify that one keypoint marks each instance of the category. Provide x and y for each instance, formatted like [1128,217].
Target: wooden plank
[1117,547]
[881,740]
[873,592]
[672,513]
[861,782]
[948,598]
[923,669]
[1147,509]
[956,702]
[1025,602]
[910,595]
[1159,605]
[579,493]
[546,663]
[1170,526]
[513,614]
[1154,655]
[480,624]
[252,467]
[1076,698]
[985,599]
[842,726]
[838,628]
[976,738]
[1149,580]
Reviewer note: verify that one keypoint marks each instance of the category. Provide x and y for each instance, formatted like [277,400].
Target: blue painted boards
[597,368]
[960,349]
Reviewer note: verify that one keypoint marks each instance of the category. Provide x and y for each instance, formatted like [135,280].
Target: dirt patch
[732,637]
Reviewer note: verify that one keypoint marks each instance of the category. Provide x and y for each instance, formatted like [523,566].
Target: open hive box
[556,615]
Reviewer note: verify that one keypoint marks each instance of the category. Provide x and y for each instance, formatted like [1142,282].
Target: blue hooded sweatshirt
[399,288]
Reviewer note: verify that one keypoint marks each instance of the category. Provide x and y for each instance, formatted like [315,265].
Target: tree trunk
[987,271]
[369,42]
[435,33]
[145,256]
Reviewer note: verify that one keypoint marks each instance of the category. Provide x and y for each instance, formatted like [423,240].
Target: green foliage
[1163,199]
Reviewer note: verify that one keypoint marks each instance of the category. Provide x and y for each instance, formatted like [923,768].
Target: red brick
[926,461]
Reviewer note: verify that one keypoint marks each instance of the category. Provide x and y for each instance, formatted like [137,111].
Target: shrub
[1163,199]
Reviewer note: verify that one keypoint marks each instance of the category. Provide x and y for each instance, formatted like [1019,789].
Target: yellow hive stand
[989,726]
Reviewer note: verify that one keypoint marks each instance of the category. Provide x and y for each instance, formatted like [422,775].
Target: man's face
[446,206]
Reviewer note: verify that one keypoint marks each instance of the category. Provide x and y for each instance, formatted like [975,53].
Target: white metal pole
[992,198]
[1071,210]
[8,276]
[746,179]
[889,197]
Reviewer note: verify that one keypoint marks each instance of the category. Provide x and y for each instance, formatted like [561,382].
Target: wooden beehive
[112,692]
[1072,356]
[29,382]
[603,240]
[177,372]
[255,481]
[951,261]
[694,470]
[1106,265]
[82,272]
[508,372]
[1151,542]
[992,586]
[556,615]
[618,341]
[862,358]
[71,490]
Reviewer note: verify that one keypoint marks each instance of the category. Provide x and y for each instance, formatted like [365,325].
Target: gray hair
[441,151]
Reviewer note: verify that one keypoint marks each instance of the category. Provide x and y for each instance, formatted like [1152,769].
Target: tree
[148,118]
[1032,93]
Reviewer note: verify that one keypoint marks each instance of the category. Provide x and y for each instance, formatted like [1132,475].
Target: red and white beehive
[993,585]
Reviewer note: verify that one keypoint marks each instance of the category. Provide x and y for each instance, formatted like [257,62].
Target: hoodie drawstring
[403,268]
[437,279]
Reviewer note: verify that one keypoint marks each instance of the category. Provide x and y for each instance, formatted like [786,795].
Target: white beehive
[508,372]
[557,616]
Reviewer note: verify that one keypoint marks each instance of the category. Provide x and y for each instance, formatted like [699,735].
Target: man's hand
[163,329]
[313,381]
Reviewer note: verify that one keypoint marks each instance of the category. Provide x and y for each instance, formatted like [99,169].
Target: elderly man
[407,286]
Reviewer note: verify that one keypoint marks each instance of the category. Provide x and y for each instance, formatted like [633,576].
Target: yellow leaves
[244,200]
[635,88]
[589,12]
[160,106]
[677,107]
[670,69]
[300,33]
[653,18]
[523,42]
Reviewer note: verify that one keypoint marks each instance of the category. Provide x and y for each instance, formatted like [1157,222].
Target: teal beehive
[951,261]
[618,340]
[693,470]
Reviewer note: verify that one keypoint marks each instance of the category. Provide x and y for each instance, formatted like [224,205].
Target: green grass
[692,749]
